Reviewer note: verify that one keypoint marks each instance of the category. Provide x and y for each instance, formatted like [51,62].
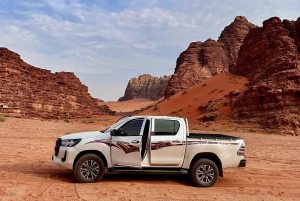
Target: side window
[166,127]
[131,128]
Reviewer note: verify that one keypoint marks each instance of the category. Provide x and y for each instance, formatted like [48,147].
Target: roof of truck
[158,117]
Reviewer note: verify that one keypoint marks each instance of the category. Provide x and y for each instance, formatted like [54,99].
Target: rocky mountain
[270,59]
[202,60]
[27,91]
[145,87]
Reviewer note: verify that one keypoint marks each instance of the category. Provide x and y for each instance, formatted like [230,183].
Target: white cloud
[155,17]
[99,46]
[32,4]
[147,46]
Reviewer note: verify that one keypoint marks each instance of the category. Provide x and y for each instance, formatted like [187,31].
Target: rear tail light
[241,151]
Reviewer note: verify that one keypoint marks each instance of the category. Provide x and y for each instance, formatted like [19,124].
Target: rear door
[126,146]
[167,142]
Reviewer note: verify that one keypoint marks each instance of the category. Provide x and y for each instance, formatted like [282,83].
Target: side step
[146,171]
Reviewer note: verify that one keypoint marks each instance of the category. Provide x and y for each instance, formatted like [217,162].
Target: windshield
[119,122]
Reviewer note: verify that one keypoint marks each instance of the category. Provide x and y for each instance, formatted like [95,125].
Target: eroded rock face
[294,30]
[202,60]
[27,91]
[233,37]
[210,112]
[270,60]
[145,87]
[199,62]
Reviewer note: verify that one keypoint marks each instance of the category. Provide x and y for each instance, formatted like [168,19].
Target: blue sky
[107,42]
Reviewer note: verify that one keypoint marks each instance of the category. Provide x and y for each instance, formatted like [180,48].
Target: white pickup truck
[149,144]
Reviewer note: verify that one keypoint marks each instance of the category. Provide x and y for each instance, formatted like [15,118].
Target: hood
[82,135]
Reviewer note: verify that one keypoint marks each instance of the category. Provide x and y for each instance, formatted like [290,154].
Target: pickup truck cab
[149,144]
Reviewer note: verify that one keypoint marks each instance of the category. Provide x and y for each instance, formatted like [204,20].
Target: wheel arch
[211,156]
[98,153]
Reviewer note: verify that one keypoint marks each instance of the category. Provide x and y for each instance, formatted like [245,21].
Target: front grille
[57,145]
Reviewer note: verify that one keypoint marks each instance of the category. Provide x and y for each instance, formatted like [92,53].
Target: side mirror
[113,132]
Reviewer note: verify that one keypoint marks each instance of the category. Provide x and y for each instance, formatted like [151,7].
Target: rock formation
[269,58]
[203,60]
[210,112]
[27,91]
[233,37]
[294,30]
[145,87]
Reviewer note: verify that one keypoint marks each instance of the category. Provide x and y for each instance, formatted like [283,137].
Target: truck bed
[212,136]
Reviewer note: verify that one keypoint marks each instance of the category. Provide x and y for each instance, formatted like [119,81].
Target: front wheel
[204,173]
[89,168]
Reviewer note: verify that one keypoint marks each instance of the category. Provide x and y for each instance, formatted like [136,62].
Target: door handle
[134,142]
[176,141]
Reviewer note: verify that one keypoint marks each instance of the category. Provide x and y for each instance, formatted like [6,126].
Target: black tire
[89,168]
[204,173]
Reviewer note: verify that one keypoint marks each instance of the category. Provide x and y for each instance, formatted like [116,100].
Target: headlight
[70,142]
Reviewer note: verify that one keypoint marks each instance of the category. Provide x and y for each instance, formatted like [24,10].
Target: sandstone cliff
[202,60]
[27,91]
[269,58]
[145,87]
[294,30]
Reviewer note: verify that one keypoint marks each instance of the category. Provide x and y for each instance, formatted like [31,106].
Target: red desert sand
[27,172]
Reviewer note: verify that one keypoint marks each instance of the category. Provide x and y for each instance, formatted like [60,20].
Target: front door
[126,146]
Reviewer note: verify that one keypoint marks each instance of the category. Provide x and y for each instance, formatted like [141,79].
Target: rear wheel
[204,173]
[89,168]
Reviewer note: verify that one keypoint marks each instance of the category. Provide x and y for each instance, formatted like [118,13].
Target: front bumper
[242,163]
[65,157]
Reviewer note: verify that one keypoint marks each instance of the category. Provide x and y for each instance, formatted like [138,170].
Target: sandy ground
[27,172]
[128,106]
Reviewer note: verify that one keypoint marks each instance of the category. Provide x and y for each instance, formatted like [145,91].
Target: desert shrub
[221,90]
[203,85]
[88,121]
[67,120]
[213,91]
[155,107]
[184,92]
[2,118]
[272,131]
[173,112]
[180,110]
[251,130]
[225,103]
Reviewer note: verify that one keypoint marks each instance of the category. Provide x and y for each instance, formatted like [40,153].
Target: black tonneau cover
[212,136]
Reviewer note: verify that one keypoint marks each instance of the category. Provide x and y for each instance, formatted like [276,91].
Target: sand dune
[129,106]
[186,103]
